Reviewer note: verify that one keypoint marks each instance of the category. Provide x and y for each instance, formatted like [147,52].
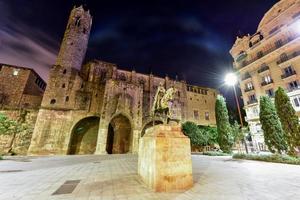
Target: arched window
[77,21]
[53,101]
[63,85]
[65,71]
[67,98]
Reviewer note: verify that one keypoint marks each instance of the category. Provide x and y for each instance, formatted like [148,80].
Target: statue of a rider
[163,100]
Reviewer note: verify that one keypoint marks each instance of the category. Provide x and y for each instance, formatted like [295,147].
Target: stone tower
[63,79]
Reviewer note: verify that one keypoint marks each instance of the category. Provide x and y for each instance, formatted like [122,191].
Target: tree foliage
[237,132]
[288,119]
[193,132]
[224,138]
[273,132]
[12,127]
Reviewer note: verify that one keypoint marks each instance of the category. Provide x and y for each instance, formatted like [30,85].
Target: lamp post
[231,80]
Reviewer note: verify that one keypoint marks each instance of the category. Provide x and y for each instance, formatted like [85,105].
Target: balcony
[252,101]
[245,76]
[248,89]
[286,75]
[262,69]
[289,57]
[264,83]
[283,42]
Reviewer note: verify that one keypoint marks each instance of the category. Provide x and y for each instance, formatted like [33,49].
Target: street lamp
[231,80]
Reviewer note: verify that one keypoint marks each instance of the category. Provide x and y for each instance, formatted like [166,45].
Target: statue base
[164,161]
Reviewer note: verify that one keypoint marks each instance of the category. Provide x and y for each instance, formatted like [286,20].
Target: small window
[67,98]
[16,72]
[278,43]
[77,21]
[297,102]
[196,114]
[260,54]
[65,71]
[207,116]
[270,92]
[63,85]
[84,30]
[53,101]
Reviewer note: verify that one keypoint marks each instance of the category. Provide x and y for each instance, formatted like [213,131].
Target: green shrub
[215,153]
[1,158]
[197,137]
[276,158]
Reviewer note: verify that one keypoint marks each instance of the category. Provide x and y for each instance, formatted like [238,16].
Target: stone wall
[22,140]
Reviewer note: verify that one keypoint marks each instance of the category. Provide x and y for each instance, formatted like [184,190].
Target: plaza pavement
[108,177]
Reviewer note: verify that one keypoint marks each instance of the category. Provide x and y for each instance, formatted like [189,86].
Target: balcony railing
[283,42]
[266,82]
[252,101]
[262,69]
[248,89]
[291,56]
[245,76]
[283,76]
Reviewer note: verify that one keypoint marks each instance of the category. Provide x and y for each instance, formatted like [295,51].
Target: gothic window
[77,21]
[122,77]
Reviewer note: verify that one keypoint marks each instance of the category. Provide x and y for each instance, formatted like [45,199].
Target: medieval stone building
[98,108]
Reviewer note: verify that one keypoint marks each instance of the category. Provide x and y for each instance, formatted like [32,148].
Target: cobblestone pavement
[110,177]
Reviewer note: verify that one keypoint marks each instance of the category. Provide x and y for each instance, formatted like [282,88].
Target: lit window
[16,72]
[249,86]
[267,79]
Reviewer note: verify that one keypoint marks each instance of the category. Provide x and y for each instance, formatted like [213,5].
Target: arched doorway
[150,124]
[119,135]
[84,136]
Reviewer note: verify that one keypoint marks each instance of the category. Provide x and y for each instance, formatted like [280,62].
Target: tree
[225,139]
[12,127]
[288,119]
[210,132]
[273,132]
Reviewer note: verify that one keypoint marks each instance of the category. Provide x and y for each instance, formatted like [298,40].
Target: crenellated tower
[63,78]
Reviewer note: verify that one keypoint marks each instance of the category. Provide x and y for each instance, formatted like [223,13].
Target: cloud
[25,46]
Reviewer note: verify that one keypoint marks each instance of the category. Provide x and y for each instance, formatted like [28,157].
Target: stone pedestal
[164,161]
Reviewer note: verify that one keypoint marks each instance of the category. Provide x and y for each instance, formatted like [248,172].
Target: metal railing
[293,55]
[249,89]
[262,69]
[266,82]
[252,101]
[283,76]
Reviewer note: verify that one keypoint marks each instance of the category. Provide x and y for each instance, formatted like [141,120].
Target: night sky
[189,38]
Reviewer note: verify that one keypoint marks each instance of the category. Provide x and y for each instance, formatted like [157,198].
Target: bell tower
[63,78]
[74,45]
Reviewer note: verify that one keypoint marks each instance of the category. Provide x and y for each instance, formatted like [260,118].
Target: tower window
[65,71]
[77,21]
[67,98]
[53,101]
[84,30]
[63,85]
